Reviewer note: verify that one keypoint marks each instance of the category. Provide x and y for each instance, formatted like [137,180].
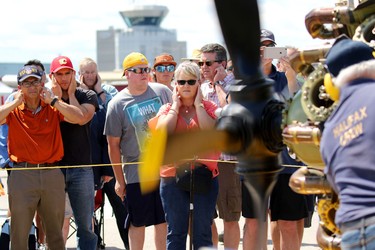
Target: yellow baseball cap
[133,59]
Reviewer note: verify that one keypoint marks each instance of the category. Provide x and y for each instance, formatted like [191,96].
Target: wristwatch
[55,99]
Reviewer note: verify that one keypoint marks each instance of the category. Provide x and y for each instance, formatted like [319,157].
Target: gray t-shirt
[127,118]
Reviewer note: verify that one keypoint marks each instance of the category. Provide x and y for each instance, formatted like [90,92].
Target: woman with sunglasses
[163,70]
[188,112]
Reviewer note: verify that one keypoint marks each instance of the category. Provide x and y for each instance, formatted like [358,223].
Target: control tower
[144,15]
[143,34]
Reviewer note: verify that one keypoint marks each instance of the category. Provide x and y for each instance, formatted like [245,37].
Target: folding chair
[73,228]
[98,219]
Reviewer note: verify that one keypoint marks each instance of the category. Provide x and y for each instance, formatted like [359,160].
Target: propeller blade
[151,159]
[240,25]
[239,21]
[163,149]
[187,145]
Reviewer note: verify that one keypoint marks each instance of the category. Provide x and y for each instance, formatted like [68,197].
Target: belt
[30,165]
[357,224]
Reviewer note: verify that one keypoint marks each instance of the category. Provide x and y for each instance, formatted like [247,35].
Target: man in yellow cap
[126,129]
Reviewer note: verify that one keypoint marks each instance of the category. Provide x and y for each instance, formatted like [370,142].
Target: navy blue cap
[29,71]
[346,52]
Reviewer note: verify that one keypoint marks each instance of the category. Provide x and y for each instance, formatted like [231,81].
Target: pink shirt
[182,125]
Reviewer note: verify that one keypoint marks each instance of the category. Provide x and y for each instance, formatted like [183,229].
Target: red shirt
[35,137]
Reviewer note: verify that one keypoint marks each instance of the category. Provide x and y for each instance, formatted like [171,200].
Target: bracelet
[102,92]
[173,111]
[55,99]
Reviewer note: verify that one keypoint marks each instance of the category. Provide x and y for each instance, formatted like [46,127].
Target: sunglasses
[190,82]
[208,63]
[140,70]
[162,68]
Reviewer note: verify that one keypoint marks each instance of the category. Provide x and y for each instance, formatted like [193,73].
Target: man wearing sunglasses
[213,64]
[126,130]
[163,70]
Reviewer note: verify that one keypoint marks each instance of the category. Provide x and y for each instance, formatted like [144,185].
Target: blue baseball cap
[267,35]
[29,71]
[346,52]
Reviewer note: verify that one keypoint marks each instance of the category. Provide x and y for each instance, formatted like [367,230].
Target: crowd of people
[55,133]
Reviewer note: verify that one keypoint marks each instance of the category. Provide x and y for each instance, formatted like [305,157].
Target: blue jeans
[176,203]
[359,239]
[80,188]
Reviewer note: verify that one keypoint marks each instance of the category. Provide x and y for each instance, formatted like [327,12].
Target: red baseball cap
[61,62]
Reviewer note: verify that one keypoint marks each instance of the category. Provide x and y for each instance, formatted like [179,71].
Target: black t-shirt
[76,138]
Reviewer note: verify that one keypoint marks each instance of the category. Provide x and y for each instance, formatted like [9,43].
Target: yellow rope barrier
[122,164]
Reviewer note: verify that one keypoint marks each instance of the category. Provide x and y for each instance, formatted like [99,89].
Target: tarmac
[113,241]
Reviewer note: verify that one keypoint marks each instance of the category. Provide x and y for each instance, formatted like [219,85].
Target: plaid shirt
[209,93]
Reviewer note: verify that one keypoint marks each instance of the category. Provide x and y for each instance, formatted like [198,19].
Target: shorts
[229,198]
[143,209]
[68,207]
[285,204]
[248,210]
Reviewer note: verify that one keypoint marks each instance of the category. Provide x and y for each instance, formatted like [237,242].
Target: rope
[121,164]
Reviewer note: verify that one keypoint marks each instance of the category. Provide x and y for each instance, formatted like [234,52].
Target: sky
[45,29]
